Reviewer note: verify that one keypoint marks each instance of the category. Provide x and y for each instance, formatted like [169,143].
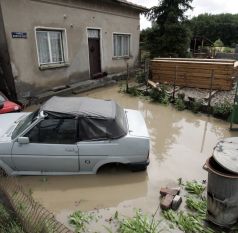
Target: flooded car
[73,135]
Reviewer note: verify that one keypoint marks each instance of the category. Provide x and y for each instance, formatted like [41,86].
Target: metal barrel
[222,194]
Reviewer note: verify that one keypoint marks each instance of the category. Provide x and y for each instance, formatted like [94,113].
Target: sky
[200,6]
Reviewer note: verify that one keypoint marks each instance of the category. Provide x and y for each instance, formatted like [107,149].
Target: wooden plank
[204,75]
[191,62]
[193,66]
[191,70]
[197,59]
[151,83]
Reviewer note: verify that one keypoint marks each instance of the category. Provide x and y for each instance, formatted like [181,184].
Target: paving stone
[166,202]
[176,202]
[171,191]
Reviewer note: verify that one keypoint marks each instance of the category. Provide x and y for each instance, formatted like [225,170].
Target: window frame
[76,138]
[64,47]
[129,45]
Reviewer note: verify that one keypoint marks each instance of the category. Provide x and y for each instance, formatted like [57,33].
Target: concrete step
[75,88]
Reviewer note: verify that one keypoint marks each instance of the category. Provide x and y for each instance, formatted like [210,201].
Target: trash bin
[222,189]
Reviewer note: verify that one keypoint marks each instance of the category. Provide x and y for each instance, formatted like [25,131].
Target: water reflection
[106,189]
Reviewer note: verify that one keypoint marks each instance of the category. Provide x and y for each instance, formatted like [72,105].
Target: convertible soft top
[81,106]
[97,118]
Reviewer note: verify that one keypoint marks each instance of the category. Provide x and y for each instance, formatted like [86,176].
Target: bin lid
[226,154]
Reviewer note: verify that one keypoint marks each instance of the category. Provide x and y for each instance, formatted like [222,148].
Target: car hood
[8,122]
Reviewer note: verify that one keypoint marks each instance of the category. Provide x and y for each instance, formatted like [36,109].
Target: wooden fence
[32,215]
[197,73]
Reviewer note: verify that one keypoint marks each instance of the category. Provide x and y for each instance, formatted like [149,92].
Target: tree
[170,35]
[223,26]
[218,43]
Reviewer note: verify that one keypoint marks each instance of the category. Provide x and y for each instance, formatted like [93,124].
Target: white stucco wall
[74,16]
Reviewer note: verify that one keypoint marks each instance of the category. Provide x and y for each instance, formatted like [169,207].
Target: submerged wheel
[2,172]
[138,168]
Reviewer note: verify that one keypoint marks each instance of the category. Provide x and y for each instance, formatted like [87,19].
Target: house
[47,43]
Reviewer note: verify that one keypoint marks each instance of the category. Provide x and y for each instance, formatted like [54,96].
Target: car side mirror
[23,140]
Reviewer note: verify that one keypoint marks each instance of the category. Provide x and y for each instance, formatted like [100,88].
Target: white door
[52,148]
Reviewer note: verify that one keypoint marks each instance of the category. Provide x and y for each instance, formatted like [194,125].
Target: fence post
[175,79]
[127,77]
[210,93]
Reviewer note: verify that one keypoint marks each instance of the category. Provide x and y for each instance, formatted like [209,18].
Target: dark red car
[7,106]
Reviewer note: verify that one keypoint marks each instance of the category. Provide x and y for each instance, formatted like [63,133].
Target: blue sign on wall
[19,35]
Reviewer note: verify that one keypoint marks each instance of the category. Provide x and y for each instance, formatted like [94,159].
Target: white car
[73,135]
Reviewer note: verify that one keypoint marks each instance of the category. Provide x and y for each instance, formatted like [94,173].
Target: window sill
[53,66]
[122,58]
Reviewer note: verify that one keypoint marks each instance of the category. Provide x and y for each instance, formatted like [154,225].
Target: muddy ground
[180,144]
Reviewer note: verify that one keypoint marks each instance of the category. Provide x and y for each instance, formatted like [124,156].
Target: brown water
[180,144]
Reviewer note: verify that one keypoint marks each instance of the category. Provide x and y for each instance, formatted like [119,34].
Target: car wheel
[138,168]
[2,173]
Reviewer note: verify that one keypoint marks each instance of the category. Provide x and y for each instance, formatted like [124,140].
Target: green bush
[159,96]
[133,91]
[196,106]
[222,110]
[179,104]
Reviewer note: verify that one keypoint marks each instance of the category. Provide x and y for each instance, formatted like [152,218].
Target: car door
[52,147]
[95,147]
[93,152]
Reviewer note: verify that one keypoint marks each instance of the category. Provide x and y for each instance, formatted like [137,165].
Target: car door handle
[69,149]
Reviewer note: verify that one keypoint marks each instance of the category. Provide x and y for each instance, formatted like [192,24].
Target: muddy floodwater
[180,144]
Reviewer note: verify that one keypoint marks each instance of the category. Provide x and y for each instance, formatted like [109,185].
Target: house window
[121,44]
[50,46]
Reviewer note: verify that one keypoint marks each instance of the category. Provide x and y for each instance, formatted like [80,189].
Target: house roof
[80,106]
[132,5]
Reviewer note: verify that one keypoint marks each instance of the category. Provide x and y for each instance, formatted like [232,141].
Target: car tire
[138,168]
[2,172]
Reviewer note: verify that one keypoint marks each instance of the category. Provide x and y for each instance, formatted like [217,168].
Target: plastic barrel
[222,195]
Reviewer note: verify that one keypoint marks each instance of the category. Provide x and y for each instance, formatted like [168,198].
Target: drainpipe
[6,76]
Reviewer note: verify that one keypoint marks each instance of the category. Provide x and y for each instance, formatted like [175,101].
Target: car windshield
[24,123]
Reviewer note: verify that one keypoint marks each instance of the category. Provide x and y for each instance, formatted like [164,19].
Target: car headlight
[16,108]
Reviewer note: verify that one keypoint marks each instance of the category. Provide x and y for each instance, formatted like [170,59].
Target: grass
[79,220]
[187,222]
[198,205]
[8,222]
[193,187]
[140,223]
